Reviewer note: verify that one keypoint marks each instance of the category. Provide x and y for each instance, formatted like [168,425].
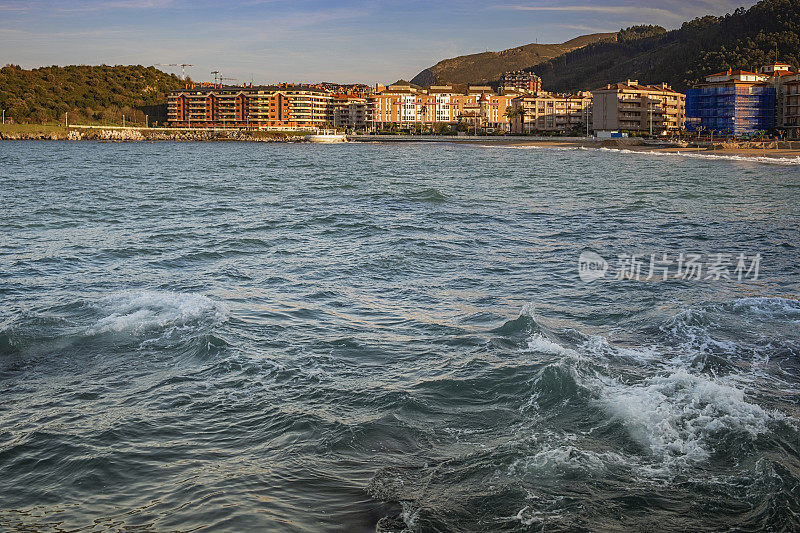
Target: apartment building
[409,106]
[735,102]
[396,104]
[263,107]
[779,74]
[548,113]
[348,111]
[628,106]
[521,80]
[791,105]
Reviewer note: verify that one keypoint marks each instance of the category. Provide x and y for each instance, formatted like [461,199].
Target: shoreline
[787,152]
[120,134]
[781,154]
[743,149]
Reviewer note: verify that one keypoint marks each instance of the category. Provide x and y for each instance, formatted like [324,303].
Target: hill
[488,66]
[744,39]
[88,93]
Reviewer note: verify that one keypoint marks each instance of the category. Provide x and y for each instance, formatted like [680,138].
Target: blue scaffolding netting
[730,110]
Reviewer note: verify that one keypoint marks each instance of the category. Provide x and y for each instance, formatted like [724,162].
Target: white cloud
[613,10]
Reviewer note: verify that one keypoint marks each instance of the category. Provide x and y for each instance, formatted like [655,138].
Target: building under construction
[733,103]
[284,106]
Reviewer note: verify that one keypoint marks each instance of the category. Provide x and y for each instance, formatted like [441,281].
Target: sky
[345,41]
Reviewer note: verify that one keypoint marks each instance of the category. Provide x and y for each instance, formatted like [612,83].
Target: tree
[47,92]
[521,112]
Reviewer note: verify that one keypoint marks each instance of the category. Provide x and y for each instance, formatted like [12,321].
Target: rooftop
[218,88]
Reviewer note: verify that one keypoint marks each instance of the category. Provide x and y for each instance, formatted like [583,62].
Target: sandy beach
[628,145]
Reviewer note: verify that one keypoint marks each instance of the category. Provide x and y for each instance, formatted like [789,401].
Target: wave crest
[137,312]
[678,417]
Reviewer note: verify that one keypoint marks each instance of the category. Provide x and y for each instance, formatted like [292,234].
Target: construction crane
[219,78]
[182,65]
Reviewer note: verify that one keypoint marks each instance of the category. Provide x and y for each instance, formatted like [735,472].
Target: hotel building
[638,108]
[263,107]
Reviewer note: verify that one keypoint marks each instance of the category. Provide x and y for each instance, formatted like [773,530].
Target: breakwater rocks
[123,135]
[32,136]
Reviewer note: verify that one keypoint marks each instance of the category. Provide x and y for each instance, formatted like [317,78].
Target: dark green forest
[88,93]
[744,39]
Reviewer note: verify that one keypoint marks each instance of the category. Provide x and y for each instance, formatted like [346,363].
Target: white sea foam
[540,343]
[567,459]
[528,309]
[769,307]
[692,155]
[135,312]
[696,155]
[410,514]
[676,417]
[597,345]
[680,413]
[533,147]
[692,330]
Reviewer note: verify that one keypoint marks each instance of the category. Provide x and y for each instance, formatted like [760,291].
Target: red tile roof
[735,73]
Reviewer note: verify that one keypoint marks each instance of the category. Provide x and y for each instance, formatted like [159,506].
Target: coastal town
[731,103]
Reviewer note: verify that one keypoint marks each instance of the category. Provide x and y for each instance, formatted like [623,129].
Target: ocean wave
[565,460]
[769,307]
[697,335]
[731,336]
[428,195]
[136,312]
[679,417]
[785,161]
[535,147]
[524,323]
[693,155]
[539,343]
[597,346]
[691,401]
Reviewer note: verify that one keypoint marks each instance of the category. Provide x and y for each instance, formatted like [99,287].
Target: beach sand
[658,148]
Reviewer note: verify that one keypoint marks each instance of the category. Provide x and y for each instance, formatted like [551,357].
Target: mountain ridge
[484,67]
[682,57]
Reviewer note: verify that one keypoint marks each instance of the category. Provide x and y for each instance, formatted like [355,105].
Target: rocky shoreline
[120,135]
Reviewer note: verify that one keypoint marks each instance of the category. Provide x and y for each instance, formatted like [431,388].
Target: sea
[387,337]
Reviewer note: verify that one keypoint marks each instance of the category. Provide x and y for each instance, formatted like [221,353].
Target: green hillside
[744,39]
[89,93]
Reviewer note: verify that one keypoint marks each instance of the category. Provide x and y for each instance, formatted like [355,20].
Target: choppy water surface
[362,337]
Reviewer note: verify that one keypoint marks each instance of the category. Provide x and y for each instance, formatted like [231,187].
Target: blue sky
[310,40]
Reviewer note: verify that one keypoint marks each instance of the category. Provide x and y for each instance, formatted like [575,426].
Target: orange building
[407,106]
[263,107]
